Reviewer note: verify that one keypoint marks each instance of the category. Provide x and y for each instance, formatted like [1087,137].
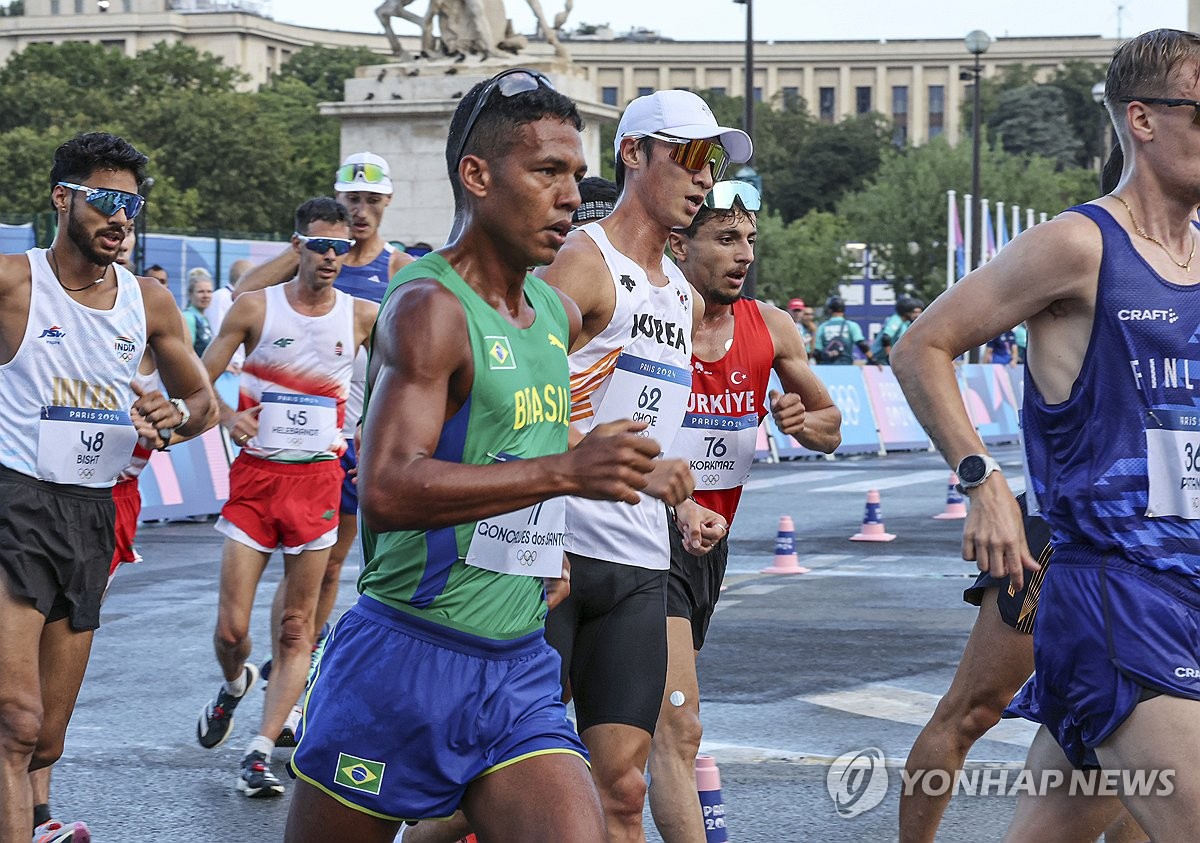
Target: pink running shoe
[56,832]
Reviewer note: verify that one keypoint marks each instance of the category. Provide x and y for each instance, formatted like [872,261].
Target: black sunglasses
[519,80]
[1169,102]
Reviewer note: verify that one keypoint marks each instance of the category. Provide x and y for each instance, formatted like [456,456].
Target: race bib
[649,391]
[297,422]
[528,542]
[720,449]
[1173,462]
[84,447]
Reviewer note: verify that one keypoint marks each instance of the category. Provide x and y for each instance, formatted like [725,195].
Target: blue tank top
[369,281]
[1088,456]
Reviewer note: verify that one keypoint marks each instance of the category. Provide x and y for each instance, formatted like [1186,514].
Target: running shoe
[287,735]
[216,718]
[256,779]
[52,831]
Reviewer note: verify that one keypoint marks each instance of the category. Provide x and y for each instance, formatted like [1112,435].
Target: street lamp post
[1102,151]
[749,113]
[977,42]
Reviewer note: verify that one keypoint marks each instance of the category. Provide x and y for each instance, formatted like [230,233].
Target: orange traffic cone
[785,550]
[956,507]
[872,525]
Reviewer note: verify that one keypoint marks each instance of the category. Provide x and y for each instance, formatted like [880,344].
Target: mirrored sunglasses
[369,173]
[519,80]
[321,245]
[694,154]
[725,193]
[108,201]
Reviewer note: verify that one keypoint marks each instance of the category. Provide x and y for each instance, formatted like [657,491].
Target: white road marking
[893,482]
[890,702]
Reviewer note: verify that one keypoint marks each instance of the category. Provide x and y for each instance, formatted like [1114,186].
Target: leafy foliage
[221,158]
[1031,120]
[901,215]
[805,258]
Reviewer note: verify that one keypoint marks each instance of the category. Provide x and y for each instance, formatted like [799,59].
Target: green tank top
[519,405]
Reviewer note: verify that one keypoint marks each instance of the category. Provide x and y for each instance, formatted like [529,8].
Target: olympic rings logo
[87,473]
[527,557]
[846,399]
[710,479]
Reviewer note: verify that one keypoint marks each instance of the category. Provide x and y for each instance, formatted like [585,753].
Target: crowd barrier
[876,418]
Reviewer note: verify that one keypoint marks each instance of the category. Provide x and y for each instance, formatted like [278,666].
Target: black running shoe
[256,779]
[216,718]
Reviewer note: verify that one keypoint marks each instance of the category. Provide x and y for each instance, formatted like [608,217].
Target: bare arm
[1048,276]
[365,313]
[422,377]
[282,267]
[177,366]
[806,411]
[242,325]
[397,261]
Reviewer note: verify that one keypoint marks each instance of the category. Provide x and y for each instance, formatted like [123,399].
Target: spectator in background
[1022,335]
[158,272]
[199,297]
[1002,350]
[837,337]
[907,309]
[802,315]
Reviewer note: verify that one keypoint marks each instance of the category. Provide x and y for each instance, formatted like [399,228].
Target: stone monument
[402,110]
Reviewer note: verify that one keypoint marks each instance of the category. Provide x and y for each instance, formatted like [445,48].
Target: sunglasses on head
[321,245]
[695,154]
[369,173]
[725,193]
[108,201]
[1170,102]
[509,83]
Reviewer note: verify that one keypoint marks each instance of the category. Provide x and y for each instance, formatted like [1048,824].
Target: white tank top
[638,367]
[300,372]
[67,392]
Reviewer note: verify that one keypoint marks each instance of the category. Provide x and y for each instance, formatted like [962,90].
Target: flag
[1001,232]
[960,246]
[989,236]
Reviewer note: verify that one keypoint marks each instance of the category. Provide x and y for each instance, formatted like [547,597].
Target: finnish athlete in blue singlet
[1112,433]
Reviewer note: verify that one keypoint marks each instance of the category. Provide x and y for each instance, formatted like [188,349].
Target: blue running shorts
[349,461]
[1109,634]
[403,714]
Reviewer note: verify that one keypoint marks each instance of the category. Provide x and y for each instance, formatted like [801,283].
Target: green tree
[1089,120]
[326,69]
[803,258]
[804,164]
[1032,120]
[901,214]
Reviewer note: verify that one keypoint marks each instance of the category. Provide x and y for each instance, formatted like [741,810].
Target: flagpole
[951,246]
[1028,218]
[968,218]
[1016,215]
[985,228]
[1042,217]
[999,221]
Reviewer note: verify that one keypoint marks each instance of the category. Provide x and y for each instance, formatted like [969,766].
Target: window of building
[757,94]
[937,110]
[645,92]
[608,95]
[899,115]
[791,96]
[719,90]
[54,7]
[862,99]
[79,7]
[825,100]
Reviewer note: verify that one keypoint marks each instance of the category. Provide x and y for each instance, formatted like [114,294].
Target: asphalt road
[797,670]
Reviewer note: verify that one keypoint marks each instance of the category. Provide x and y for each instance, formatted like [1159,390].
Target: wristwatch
[165,433]
[973,469]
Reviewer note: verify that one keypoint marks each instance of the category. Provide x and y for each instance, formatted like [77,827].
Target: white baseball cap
[363,172]
[680,114]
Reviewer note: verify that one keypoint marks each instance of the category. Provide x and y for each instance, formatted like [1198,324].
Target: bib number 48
[92,444]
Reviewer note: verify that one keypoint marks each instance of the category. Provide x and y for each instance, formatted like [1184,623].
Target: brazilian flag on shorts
[359,773]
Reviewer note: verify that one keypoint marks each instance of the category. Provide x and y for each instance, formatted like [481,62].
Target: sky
[799,20]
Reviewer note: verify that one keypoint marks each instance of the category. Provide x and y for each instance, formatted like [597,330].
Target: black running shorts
[1018,608]
[694,584]
[611,632]
[56,543]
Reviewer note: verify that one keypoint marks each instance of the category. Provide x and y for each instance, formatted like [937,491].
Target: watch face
[971,470]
